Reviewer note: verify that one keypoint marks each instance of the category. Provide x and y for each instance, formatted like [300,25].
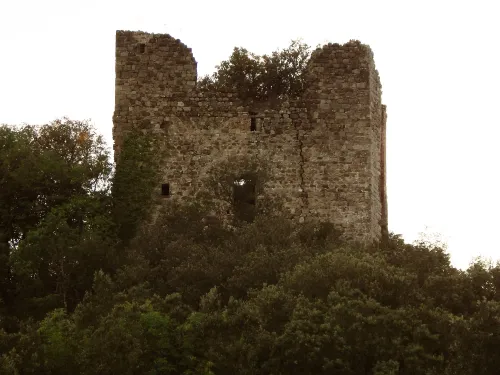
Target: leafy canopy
[87,290]
[266,78]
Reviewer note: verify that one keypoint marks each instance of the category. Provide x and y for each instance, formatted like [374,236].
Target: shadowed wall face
[325,151]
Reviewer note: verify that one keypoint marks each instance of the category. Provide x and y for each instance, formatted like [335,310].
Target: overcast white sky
[439,63]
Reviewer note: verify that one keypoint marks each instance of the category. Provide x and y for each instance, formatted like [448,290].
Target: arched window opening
[244,197]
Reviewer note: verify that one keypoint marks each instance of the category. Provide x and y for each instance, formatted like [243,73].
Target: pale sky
[439,63]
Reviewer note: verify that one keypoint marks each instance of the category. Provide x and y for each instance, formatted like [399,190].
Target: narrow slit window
[165,190]
[253,122]
[142,48]
[244,198]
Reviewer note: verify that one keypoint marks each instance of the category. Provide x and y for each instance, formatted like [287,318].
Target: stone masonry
[326,150]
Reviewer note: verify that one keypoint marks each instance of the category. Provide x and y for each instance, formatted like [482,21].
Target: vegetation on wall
[134,182]
[266,78]
[236,186]
[191,296]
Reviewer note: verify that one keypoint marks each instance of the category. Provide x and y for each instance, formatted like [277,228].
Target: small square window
[165,190]
[142,48]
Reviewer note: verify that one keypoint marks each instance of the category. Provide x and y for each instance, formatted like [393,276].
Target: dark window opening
[142,48]
[253,121]
[165,190]
[244,198]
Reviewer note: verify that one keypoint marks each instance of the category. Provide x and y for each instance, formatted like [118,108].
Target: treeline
[86,289]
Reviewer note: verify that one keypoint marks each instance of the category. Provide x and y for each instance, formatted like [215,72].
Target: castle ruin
[326,149]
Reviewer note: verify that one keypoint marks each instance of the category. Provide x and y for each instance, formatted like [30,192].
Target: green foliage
[133,183]
[42,167]
[57,342]
[267,78]
[53,180]
[88,290]
[55,263]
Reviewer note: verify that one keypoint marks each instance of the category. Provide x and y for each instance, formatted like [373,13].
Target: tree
[257,79]
[55,264]
[43,168]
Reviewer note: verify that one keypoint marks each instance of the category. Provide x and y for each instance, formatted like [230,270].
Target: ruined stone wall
[325,151]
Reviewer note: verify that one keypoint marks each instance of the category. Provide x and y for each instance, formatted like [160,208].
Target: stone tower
[326,150]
